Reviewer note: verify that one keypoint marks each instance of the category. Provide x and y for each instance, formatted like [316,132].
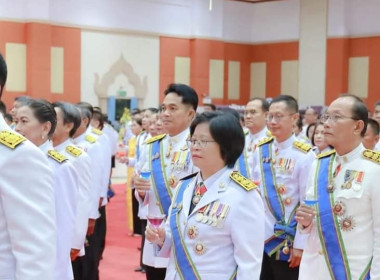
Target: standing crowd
[270,198]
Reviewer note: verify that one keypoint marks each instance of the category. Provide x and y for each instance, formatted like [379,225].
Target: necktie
[199,191]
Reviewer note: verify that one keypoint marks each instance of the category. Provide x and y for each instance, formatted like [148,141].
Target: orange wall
[338,53]
[201,51]
[38,39]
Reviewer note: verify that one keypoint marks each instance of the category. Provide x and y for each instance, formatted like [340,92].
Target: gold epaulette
[90,139]
[74,151]
[269,134]
[325,154]
[372,156]
[57,156]
[10,139]
[265,140]
[97,131]
[155,138]
[301,146]
[245,183]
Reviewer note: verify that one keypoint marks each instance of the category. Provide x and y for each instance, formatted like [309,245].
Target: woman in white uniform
[215,225]
[36,120]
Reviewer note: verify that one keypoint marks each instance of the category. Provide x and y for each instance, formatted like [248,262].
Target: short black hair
[188,94]
[212,106]
[44,112]
[374,125]
[264,103]
[3,73]
[3,108]
[70,115]
[226,130]
[290,101]
[231,111]
[359,111]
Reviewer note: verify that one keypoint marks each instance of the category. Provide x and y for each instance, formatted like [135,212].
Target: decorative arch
[121,66]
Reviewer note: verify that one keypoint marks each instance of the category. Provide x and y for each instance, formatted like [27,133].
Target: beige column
[312,52]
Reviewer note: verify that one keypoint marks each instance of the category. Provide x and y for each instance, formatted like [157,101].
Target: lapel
[213,192]
[187,196]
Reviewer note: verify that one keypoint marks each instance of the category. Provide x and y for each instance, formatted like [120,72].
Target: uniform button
[157,203]
[320,252]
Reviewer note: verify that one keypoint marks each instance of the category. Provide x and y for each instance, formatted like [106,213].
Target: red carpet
[120,256]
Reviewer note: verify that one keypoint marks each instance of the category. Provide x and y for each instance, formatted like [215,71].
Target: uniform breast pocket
[355,190]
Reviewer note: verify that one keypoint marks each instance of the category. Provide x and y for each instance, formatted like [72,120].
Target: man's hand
[295,257]
[74,254]
[91,226]
[141,185]
[155,235]
[305,215]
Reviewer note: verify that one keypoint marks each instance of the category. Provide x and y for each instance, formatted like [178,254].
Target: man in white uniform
[27,209]
[168,157]
[344,237]
[281,166]
[254,120]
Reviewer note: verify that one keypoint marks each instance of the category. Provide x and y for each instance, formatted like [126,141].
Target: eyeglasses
[276,118]
[200,143]
[334,118]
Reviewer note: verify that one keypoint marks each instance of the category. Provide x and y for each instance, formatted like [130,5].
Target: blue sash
[284,232]
[328,226]
[242,165]
[161,189]
[184,264]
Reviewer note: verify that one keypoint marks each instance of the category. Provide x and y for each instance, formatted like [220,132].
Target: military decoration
[192,232]
[199,248]
[339,208]
[286,249]
[347,223]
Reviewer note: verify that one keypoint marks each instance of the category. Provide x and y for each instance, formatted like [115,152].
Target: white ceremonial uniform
[291,168]
[361,206]
[105,144]
[113,136]
[217,250]
[138,164]
[66,196]
[27,211]
[173,174]
[251,141]
[81,162]
[94,151]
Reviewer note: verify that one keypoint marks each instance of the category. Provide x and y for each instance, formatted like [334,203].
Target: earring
[43,137]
